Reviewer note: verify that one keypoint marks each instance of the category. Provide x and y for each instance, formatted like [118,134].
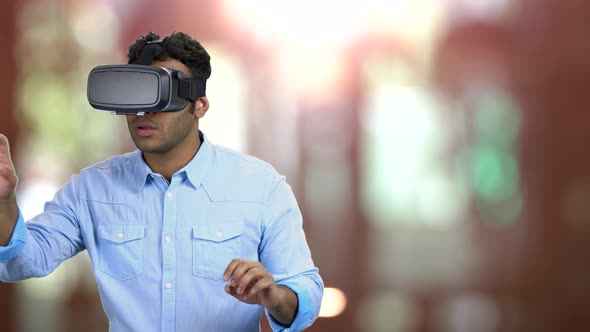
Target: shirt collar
[196,170]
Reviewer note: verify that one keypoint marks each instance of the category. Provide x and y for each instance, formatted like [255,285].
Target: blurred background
[436,147]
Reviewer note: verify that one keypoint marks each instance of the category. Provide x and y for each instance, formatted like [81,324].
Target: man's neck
[166,164]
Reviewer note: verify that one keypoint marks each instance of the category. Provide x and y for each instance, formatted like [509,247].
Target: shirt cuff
[304,315]
[17,241]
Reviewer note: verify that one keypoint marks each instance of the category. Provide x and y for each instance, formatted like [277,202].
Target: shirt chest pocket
[121,250]
[214,246]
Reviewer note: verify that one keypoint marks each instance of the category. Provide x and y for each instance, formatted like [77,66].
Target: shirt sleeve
[38,246]
[17,241]
[286,255]
[306,313]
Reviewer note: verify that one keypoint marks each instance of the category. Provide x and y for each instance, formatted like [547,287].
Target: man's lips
[144,129]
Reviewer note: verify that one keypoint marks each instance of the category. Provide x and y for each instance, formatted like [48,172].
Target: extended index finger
[4,147]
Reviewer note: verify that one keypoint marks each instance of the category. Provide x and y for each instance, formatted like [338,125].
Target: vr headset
[140,88]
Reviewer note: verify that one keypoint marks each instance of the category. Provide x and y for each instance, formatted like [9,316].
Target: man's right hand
[8,181]
[8,177]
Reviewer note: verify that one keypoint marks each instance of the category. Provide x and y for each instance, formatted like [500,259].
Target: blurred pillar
[8,127]
[551,70]
[8,124]
[328,143]
[538,270]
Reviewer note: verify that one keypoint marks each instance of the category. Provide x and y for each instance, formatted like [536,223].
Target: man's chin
[144,147]
[140,143]
[147,148]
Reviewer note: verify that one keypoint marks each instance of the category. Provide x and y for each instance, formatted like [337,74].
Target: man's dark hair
[178,46]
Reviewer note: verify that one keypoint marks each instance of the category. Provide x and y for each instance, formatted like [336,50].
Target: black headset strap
[149,53]
[191,89]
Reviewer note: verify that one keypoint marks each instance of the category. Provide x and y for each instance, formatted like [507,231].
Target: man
[183,235]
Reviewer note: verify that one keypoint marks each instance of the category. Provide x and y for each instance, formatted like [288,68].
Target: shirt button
[121,235]
[168,285]
[219,234]
[167,239]
[169,194]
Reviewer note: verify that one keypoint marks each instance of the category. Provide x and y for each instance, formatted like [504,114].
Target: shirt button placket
[169,258]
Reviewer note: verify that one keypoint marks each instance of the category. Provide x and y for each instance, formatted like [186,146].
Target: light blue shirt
[159,250]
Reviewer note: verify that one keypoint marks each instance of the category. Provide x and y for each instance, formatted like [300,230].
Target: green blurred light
[492,163]
[52,92]
[495,173]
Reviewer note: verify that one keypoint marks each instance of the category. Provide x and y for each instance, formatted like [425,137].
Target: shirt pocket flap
[218,232]
[120,234]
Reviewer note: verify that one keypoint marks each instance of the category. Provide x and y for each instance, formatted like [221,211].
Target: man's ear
[201,106]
